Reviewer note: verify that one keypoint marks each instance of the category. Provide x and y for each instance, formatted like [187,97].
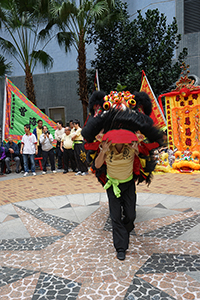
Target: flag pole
[97,76]
[4,109]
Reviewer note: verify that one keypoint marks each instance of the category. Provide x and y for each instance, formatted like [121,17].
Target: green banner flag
[19,111]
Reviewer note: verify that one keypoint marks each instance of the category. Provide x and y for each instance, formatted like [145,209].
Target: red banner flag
[157,111]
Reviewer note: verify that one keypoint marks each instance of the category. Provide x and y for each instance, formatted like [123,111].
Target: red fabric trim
[92,146]
[136,165]
[145,148]
[174,93]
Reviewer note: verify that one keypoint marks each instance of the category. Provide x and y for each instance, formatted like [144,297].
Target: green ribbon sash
[115,182]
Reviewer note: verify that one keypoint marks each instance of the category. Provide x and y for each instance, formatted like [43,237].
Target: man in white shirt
[58,136]
[66,148]
[28,149]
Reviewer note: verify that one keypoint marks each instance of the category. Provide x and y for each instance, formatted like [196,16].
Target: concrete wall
[190,40]
[165,6]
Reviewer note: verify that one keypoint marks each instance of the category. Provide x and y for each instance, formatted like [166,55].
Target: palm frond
[63,10]
[42,58]
[7,47]
[43,34]
[65,39]
[5,68]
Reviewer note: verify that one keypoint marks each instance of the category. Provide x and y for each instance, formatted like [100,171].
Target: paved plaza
[56,240]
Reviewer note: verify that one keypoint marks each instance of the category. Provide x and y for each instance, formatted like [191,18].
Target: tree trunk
[29,85]
[83,93]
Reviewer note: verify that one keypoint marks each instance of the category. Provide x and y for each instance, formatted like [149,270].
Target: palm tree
[22,22]
[75,20]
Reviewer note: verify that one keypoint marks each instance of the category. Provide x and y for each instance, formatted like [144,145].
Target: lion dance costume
[121,118]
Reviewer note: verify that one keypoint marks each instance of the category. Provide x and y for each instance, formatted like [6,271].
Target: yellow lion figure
[187,161]
[162,162]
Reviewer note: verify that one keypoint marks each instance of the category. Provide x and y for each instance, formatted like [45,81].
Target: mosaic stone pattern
[28,244]
[21,289]
[58,223]
[80,263]
[53,287]
[176,229]
[178,285]
[140,289]
[9,275]
[164,262]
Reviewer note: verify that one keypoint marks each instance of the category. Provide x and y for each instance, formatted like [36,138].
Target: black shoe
[17,171]
[65,172]
[8,172]
[59,168]
[121,255]
[1,173]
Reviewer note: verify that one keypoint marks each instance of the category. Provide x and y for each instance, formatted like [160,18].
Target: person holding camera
[46,140]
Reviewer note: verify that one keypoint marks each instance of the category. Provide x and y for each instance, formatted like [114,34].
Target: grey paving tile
[2,216]
[192,235]
[103,197]
[78,199]
[142,197]
[174,201]
[28,204]
[85,211]
[65,213]
[13,229]
[152,199]
[7,209]
[59,201]
[194,203]
[44,203]
[148,213]
[91,198]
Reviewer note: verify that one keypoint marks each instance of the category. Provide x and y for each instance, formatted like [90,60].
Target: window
[57,114]
[191,16]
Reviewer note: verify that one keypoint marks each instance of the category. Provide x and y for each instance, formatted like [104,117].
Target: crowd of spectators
[69,152]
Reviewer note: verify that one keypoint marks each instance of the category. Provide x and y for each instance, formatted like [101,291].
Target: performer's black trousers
[80,157]
[68,155]
[122,213]
[45,155]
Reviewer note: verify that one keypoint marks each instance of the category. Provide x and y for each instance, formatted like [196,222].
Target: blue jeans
[25,159]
